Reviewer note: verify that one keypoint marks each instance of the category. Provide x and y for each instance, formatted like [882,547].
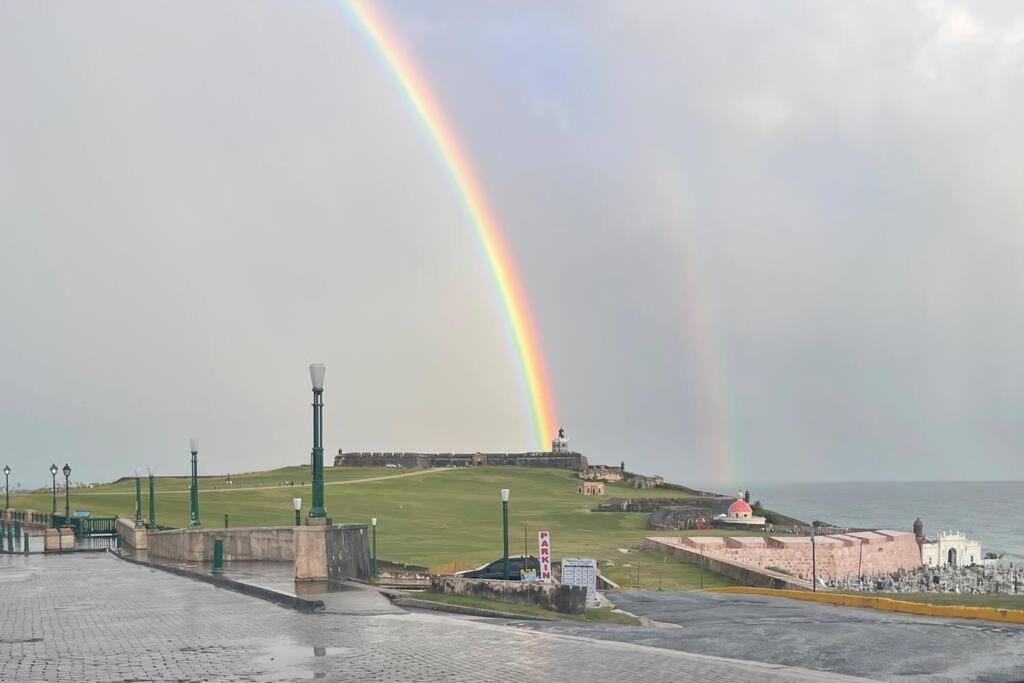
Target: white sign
[544,543]
[579,571]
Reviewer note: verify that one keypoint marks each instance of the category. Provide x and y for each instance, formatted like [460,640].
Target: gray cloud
[794,230]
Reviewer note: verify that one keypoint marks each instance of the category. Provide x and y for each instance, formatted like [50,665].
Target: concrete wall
[273,544]
[574,461]
[132,537]
[348,552]
[565,599]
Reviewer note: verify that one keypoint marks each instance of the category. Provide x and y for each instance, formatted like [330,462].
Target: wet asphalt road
[92,617]
[859,642]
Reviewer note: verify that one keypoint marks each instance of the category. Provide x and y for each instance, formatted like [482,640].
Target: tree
[746,496]
[622,466]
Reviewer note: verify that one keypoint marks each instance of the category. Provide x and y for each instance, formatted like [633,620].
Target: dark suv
[496,569]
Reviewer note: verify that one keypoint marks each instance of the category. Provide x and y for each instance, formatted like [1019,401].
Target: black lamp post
[67,493]
[53,496]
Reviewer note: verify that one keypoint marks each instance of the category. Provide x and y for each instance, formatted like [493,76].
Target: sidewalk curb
[416,603]
[277,597]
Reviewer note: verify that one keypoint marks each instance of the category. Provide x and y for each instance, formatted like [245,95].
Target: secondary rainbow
[510,289]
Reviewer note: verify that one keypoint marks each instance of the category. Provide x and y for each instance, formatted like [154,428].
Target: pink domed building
[740,516]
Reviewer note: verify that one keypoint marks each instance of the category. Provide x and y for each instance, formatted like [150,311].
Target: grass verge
[598,615]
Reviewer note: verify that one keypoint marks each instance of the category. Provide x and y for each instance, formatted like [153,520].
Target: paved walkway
[859,642]
[92,617]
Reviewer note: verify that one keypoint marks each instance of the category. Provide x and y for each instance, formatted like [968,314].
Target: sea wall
[573,461]
[745,574]
[565,599]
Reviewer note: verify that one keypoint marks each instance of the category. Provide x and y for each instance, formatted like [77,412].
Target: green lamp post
[53,495]
[138,497]
[504,527]
[193,446]
[316,376]
[373,523]
[7,486]
[152,498]
[67,493]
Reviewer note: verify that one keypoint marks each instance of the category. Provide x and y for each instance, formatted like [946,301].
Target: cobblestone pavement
[859,642]
[92,617]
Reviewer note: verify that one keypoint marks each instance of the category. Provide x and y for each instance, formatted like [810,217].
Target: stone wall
[836,556]
[565,599]
[746,575]
[272,544]
[572,461]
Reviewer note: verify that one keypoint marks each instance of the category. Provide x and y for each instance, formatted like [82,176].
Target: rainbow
[510,289]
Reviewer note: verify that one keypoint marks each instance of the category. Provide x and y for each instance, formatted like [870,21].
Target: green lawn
[435,518]
[658,571]
[966,599]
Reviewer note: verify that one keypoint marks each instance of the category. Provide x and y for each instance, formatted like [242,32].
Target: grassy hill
[436,518]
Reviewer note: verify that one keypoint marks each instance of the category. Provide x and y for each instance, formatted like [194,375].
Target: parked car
[496,569]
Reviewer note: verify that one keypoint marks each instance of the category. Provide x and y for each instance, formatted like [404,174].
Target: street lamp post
[193,446]
[504,527]
[7,486]
[297,504]
[316,376]
[138,497]
[67,493]
[53,495]
[152,498]
[814,562]
[373,523]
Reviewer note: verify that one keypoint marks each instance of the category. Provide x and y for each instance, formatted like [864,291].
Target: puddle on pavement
[309,661]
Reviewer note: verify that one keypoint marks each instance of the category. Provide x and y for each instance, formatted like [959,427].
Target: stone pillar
[310,548]
[67,538]
[51,540]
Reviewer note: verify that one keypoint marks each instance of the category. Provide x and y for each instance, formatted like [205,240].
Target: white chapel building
[949,549]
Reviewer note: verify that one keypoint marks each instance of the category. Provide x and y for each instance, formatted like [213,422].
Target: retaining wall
[565,599]
[273,544]
[747,575]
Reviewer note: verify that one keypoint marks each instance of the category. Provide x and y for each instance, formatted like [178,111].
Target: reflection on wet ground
[279,576]
[36,542]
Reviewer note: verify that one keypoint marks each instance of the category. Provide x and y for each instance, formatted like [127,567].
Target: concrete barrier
[565,599]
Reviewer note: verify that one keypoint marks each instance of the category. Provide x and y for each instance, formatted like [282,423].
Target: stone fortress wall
[561,460]
[837,555]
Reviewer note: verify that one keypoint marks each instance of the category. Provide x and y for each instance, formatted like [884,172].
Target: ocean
[989,511]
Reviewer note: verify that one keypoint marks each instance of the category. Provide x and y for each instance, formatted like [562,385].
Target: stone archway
[951,556]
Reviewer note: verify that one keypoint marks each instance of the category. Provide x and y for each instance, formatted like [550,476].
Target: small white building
[951,548]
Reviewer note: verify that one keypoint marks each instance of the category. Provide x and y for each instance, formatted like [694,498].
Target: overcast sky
[761,241]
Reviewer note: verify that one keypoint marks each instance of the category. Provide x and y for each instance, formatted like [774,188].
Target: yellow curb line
[1013,616]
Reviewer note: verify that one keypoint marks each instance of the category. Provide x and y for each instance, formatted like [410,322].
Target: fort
[568,460]
[559,457]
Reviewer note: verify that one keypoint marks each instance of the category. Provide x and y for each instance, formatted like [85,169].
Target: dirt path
[207,491]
